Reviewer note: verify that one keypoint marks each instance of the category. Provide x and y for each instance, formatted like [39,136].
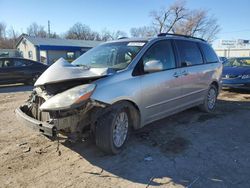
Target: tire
[209,103]
[106,128]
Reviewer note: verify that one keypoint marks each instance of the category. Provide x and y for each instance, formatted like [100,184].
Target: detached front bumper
[42,127]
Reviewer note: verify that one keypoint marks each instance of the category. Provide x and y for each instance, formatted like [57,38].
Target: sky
[233,15]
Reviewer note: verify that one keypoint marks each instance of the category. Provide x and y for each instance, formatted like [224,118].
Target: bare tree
[2,30]
[54,35]
[81,32]
[12,37]
[7,38]
[107,35]
[165,19]
[36,30]
[145,31]
[198,24]
[118,34]
[178,19]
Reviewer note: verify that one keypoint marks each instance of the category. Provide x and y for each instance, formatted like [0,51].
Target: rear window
[189,52]
[21,63]
[210,55]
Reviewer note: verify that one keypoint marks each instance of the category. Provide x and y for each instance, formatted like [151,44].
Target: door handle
[184,73]
[176,74]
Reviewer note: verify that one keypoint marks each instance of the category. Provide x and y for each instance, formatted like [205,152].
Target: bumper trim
[42,127]
[239,86]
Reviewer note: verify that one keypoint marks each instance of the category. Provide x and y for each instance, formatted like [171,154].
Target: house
[48,50]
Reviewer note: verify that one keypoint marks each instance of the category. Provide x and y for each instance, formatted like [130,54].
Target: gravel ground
[190,149]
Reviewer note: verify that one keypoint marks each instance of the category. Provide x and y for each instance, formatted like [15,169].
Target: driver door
[8,72]
[160,90]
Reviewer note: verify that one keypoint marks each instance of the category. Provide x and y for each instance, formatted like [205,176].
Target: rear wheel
[209,103]
[112,130]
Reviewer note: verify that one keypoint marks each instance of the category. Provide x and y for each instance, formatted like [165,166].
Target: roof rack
[186,36]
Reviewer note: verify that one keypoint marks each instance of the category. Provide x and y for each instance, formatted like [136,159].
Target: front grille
[36,113]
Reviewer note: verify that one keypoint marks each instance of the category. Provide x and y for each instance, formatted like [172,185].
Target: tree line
[175,18]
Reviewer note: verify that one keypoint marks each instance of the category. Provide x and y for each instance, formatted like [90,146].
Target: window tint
[209,53]
[1,63]
[6,63]
[161,51]
[189,52]
[20,63]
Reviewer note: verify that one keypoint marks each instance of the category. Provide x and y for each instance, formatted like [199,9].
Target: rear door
[8,73]
[23,69]
[160,90]
[193,72]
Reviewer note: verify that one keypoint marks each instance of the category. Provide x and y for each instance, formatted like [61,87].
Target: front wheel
[112,130]
[209,103]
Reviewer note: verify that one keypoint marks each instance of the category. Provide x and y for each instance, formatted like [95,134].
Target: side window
[20,63]
[161,51]
[1,63]
[189,52]
[7,63]
[30,54]
[210,55]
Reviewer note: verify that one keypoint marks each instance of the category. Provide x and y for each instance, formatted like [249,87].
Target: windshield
[238,62]
[117,55]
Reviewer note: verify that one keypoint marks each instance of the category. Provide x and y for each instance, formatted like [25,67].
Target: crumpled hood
[62,70]
[227,70]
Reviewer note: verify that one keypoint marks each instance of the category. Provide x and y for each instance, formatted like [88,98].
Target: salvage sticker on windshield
[136,44]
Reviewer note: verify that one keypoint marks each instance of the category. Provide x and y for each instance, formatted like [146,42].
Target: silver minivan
[123,85]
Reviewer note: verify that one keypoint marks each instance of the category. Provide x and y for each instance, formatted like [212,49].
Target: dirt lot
[190,149]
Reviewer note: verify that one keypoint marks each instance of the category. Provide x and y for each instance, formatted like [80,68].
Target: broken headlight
[67,99]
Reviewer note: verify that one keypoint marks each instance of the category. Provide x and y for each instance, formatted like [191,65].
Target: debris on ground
[22,144]
[26,150]
[41,151]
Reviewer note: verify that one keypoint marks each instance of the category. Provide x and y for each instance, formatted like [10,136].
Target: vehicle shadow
[170,151]
[15,88]
[242,91]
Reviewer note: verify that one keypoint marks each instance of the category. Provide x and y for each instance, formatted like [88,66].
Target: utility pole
[49,28]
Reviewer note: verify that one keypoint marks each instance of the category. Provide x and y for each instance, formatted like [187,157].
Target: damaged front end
[72,120]
[63,106]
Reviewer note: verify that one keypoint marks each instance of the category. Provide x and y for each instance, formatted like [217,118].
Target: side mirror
[153,66]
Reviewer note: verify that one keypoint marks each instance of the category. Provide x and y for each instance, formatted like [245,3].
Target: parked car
[223,60]
[236,73]
[19,70]
[123,85]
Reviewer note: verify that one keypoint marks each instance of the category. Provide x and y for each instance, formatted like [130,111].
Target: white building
[233,48]
[48,50]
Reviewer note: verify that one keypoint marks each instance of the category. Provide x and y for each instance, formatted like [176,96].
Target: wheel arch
[134,111]
[216,84]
